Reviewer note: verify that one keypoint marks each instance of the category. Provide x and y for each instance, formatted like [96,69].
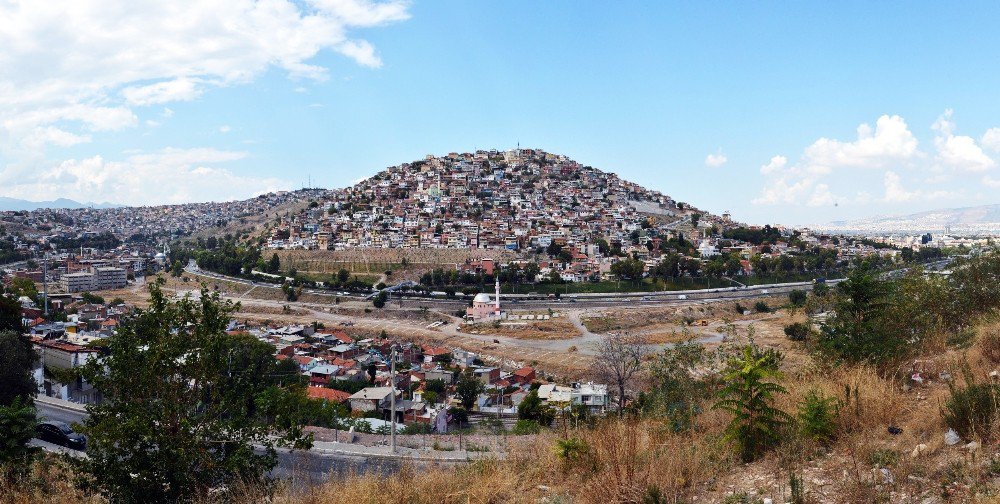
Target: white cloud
[991,182]
[179,89]
[891,140]
[169,175]
[957,151]
[991,139]
[823,170]
[225,128]
[715,160]
[894,191]
[777,163]
[83,65]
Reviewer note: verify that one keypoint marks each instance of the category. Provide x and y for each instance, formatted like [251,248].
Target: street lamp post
[392,398]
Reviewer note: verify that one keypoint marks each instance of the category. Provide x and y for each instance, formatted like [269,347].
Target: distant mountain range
[977,220]
[14,204]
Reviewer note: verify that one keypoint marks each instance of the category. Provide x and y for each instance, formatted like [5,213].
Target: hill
[983,219]
[515,199]
[14,204]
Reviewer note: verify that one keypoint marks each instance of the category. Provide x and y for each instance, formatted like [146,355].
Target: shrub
[797,331]
[524,427]
[762,307]
[797,297]
[572,449]
[748,395]
[972,410]
[739,308]
[989,344]
[417,428]
[817,416]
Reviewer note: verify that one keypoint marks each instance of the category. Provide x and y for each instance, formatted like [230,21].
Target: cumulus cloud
[957,151]
[991,139]
[715,160]
[889,148]
[173,175]
[72,68]
[777,163]
[890,140]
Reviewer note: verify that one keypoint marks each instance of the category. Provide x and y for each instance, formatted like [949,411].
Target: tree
[177,269]
[628,269]
[87,297]
[343,276]
[379,300]
[797,297]
[531,271]
[860,330]
[17,410]
[274,265]
[676,390]
[531,408]
[468,389]
[16,361]
[619,360]
[17,422]
[188,408]
[748,395]
[10,314]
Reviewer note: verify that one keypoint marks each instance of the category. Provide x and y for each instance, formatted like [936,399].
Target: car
[764,291]
[682,296]
[61,434]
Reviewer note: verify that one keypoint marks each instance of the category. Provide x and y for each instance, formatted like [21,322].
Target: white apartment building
[102,278]
[109,278]
[77,282]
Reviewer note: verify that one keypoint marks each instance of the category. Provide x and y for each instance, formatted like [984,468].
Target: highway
[532,302]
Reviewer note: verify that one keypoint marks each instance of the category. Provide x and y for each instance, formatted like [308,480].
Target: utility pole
[392,398]
[45,281]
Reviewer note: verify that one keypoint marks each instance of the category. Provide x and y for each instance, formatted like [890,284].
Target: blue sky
[758,108]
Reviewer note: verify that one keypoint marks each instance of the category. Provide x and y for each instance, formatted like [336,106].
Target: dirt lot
[553,329]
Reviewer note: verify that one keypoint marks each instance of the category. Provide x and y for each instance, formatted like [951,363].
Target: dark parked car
[61,434]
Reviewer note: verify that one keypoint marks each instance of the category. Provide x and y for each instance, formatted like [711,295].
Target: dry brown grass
[623,459]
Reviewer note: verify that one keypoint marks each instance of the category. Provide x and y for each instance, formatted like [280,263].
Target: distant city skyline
[780,113]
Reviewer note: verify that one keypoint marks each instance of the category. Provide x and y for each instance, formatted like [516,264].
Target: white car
[682,296]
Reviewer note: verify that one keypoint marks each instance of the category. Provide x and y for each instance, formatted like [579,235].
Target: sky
[795,113]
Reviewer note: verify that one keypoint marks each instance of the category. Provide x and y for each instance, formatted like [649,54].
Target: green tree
[17,423]
[748,395]
[187,408]
[531,408]
[861,329]
[797,297]
[817,416]
[343,275]
[17,358]
[468,389]
[87,297]
[274,264]
[628,269]
[379,300]
[676,390]
[177,269]
[10,313]
[17,410]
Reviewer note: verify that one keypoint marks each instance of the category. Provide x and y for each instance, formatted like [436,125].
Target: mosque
[483,308]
